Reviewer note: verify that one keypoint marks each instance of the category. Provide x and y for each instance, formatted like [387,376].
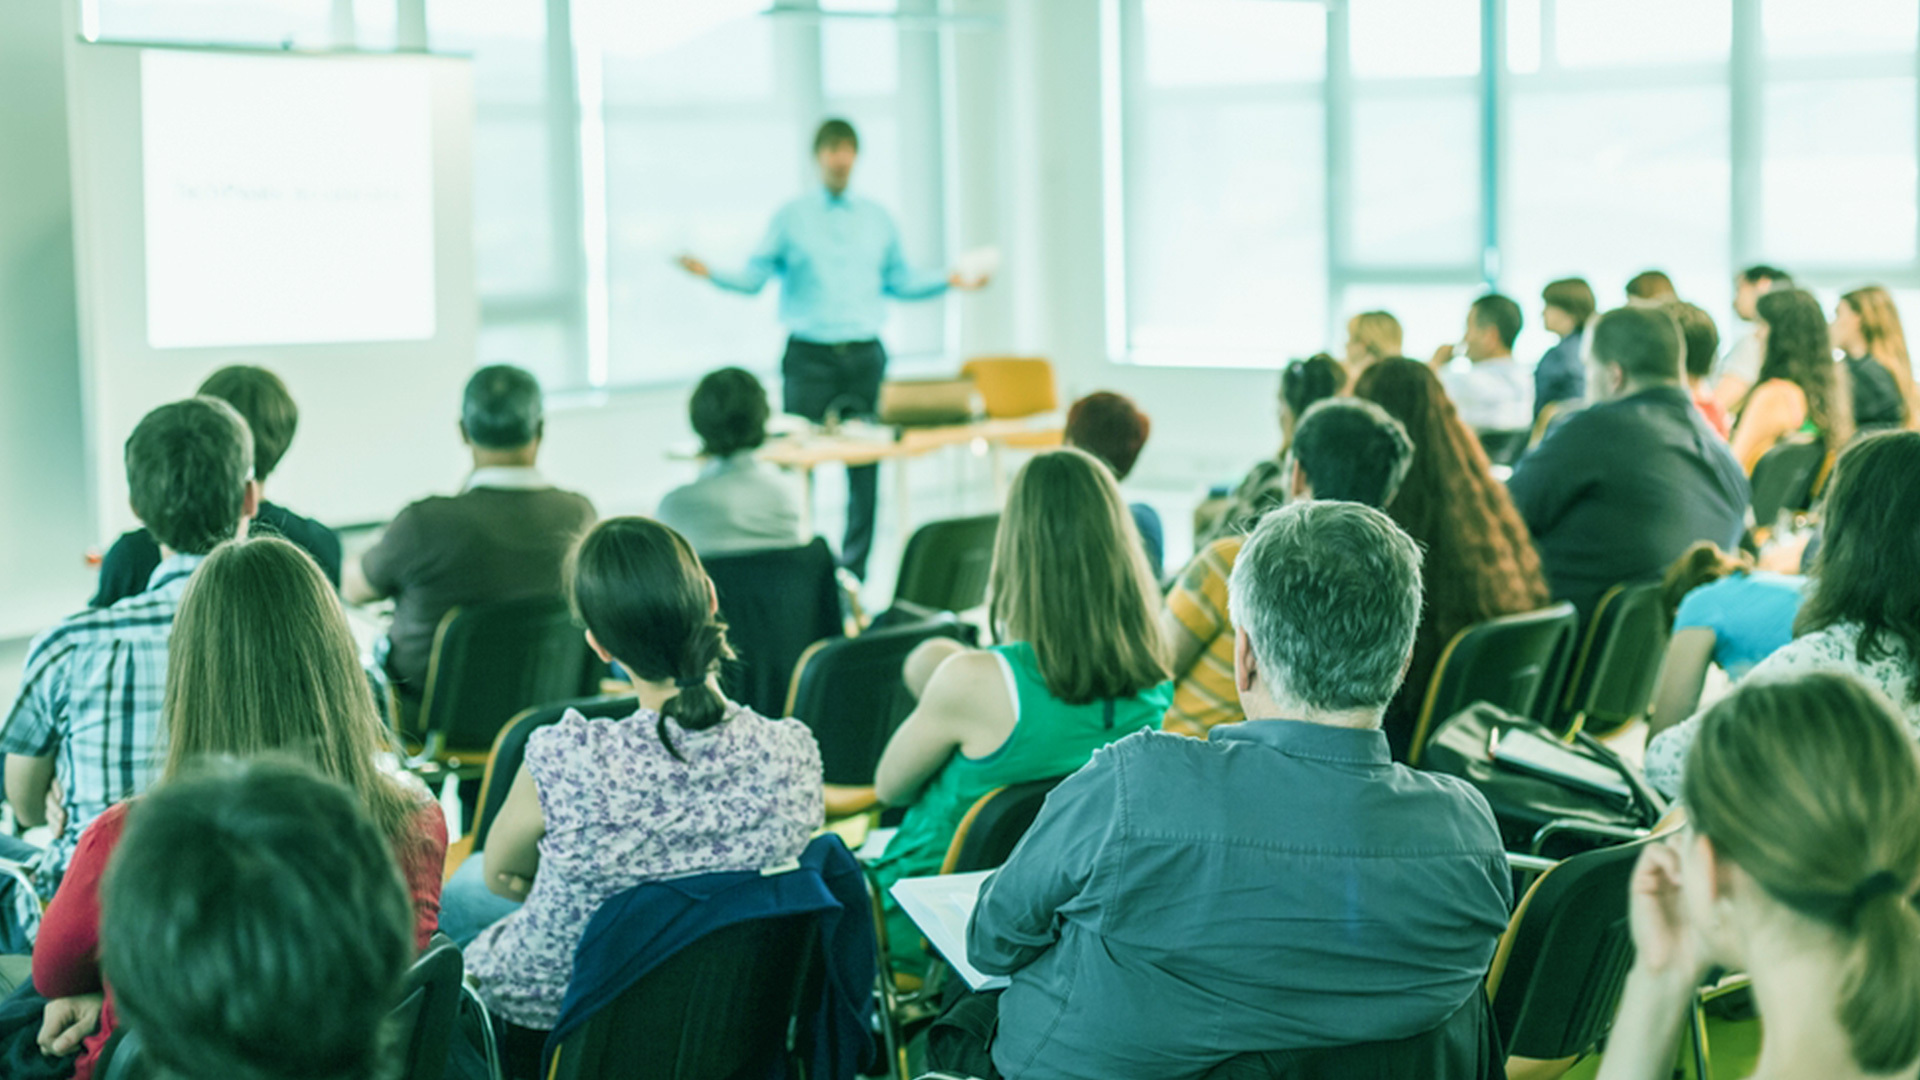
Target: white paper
[941,907]
[980,262]
[876,845]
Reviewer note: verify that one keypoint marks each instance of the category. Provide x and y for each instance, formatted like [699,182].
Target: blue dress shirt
[839,258]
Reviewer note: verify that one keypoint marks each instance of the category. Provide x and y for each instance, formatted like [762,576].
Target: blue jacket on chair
[636,930]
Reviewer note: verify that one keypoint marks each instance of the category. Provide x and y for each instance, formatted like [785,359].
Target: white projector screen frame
[376,417]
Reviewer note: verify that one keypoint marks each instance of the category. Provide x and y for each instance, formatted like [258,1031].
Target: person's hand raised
[694,266]
[956,280]
[1665,941]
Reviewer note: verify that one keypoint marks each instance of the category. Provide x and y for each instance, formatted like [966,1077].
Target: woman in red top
[260,662]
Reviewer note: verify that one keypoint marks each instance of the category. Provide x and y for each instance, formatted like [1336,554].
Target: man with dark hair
[1616,493]
[1652,287]
[254,926]
[502,538]
[1344,449]
[1179,901]
[737,503]
[84,732]
[1493,392]
[839,258]
[1112,428]
[263,402]
[1740,369]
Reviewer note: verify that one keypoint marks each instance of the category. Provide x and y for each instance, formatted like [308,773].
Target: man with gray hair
[502,538]
[1282,885]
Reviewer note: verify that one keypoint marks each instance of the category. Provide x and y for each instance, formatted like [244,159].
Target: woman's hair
[1069,578]
[1378,332]
[1812,786]
[1702,564]
[1865,573]
[1304,383]
[261,661]
[1699,338]
[1110,427]
[1799,351]
[1886,342]
[638,586]
[1573,296]
[729,412]
[1651,285]
[1480,561]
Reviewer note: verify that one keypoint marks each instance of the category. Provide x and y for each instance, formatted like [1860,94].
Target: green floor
[1733,1049]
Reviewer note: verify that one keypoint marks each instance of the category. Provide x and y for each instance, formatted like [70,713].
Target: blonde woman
[1798,868]
[260,662]
[1081,666]
[1866,326]
[1372,336]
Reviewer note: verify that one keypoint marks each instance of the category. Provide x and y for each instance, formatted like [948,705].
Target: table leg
[806,502]
[999,469]
[900,497]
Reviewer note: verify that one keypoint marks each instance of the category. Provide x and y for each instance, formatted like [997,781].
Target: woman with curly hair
[1480,561]
[1800,388]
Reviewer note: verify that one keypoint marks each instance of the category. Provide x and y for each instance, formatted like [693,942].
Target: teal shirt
[1049,738]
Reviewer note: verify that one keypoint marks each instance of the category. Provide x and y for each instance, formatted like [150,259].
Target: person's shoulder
[1449,803]
[786,732]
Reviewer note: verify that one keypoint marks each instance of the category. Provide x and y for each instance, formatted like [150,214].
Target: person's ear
[598,649]
[1298,486]
[713,598]
[250,500]
[464,437]
[1245,667]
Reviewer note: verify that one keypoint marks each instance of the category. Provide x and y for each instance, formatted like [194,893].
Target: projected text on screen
[289,200]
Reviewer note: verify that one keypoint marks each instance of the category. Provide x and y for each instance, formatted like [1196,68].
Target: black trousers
[842,379]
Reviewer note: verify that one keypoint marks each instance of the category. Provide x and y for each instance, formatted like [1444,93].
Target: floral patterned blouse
[621,810]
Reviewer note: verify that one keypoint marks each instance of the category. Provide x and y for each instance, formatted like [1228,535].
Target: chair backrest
[1784,478]
[510,750]
[428,1012]
[850,691]
[1611,680]
[947,563]
[1504,447]
[725,1005]
[1013,386]
[1509,661]
[1464,1046]
[994,825]
[775,604]
[1556,978]
[490,661]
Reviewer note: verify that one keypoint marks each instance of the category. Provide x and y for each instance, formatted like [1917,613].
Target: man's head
[501,416]
[729,412]
[1568,305]
[1493,324]
[1349,450]
[1699,338]
[1110,427]
[1325,598]
[254,926]
[1634,348]
[262,401]
[1751,284]
[190,474]
[835,147]
[1650,287]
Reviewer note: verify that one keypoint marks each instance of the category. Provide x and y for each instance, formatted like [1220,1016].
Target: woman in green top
[1073,597]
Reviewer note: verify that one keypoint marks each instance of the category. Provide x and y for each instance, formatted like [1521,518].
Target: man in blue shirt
[839,258]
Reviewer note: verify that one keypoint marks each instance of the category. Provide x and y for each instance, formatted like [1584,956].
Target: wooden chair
[1514,662]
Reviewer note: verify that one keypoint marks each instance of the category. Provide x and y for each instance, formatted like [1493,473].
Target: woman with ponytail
[690,784]
[1798,867]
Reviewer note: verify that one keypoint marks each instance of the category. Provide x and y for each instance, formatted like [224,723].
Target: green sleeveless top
[1049,738]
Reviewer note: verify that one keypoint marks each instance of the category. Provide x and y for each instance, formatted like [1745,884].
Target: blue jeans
[467,906]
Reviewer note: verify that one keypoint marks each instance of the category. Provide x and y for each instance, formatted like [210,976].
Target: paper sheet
[941,907]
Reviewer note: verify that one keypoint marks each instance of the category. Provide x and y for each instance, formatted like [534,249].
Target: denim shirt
[1282,885]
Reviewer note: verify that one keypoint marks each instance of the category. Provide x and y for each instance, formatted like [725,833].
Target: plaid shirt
[90,698]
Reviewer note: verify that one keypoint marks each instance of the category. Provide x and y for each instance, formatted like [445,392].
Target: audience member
[738,503]
[1561,375]
[1798,868]
[253,928]
[85,731]
[1800,388]
[1866,327]
[1477,559]
[260,662]
[1179,902]
[1303,383]
[1861,616]
[689,784]
[1723,612]
[1081,665]
[1617,492]
[1113,429]
[1652,287]
[1493,392]
[262,401]
[1700,341]
[502,538]
[1372,336]
[1741,368]
[1346,450]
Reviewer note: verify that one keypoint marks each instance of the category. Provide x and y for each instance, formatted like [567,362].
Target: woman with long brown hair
[1866,327]
[260,662]
[1800,388]
[1081,664]
[1479,562]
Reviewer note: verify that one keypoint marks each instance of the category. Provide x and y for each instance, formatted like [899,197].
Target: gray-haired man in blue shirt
[839,258]
[1283,885]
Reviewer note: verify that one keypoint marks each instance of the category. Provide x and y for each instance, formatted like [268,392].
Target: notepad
[1527,752]
[941,907]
